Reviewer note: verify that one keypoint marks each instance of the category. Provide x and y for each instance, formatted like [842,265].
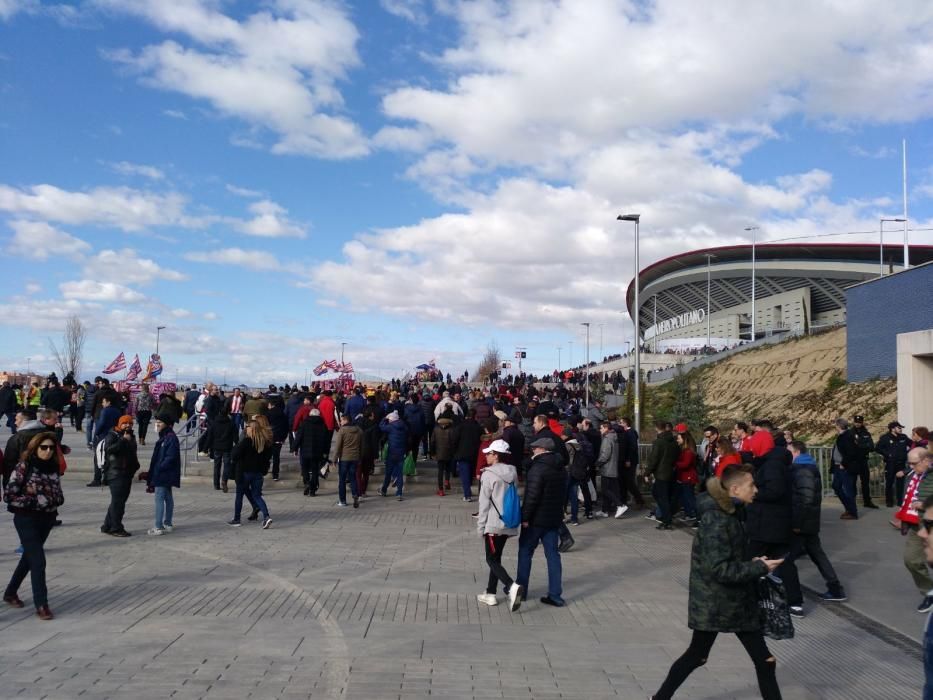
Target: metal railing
[189,434]
[821,455]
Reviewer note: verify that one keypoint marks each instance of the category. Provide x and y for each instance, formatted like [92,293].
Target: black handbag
[773,610]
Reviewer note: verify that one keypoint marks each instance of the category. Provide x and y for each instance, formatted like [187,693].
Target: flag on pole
[332,364]
[320,369]
[153,368]
[118,363]
[135,370]
[346,368]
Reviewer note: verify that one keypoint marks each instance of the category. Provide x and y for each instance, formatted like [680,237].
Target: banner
[118,364]
[135,369]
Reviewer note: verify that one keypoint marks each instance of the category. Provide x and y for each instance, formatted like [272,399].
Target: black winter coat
[769,515]
[246,459]
[278,422]
[722,577]
[120,458]
[664,453]
[312,439]
[806,495]
[545,492]
[894,450]
[466,441]
[221,434]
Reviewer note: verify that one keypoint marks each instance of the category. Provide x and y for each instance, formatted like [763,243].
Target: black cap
[858,419]
[894,424]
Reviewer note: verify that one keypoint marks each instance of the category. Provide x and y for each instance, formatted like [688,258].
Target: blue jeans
[465,469]
[250,485]
[688,499]
[237,421]
[33,531]
[346,472]
[527,544]
[394,464]
[90,430]
[572,486]
[844,486]
[164,506]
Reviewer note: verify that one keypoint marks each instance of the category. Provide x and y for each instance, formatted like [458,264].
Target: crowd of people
[753,496]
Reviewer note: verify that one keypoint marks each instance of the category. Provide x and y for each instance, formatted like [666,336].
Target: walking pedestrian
[221,436]
[919,487]
[312,442]
[845,461]
[347,449]
[144,403]
[494,480]
[33,495]
[893,447]
[251,458]
[164,474]
[607,462]
[722,585]
[120,464]
[397,447]
[660,467]
[806,496]
[543,516]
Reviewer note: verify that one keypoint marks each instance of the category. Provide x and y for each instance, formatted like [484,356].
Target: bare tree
[492,361]
[72,350]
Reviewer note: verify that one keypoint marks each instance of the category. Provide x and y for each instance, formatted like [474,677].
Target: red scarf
[906,514]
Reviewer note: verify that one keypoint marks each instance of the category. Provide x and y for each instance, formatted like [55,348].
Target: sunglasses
[46,448]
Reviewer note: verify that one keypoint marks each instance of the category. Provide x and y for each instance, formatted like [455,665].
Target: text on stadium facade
[685,319]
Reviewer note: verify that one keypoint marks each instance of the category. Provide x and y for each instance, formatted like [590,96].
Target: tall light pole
[558,359]
[601,341]
[587,362]
[159,329]
[753,229]
[881,244]
[342,346]
[906,247]
[570,360]
[709,257]
[636,218]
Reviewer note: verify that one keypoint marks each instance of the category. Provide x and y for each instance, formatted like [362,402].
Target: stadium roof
[780,252]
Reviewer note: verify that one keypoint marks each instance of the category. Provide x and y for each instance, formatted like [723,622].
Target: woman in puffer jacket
[494,480]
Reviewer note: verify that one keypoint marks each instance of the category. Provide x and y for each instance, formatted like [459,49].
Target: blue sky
[418,178]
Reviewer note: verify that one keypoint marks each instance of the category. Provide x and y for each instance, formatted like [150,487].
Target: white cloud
[175,114]
[118,207]
[106,292]
[181,313]
[276,69]
[252,259]
[270,220]
[40,241]
[125,168]
[33,288]
[411,10]
[8,8]
[126,267]
[243,192]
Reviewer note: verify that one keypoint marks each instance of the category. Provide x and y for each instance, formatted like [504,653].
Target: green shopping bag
[408,469]
[385,452]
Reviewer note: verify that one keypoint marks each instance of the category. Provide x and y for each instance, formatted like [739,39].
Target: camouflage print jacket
[722,578]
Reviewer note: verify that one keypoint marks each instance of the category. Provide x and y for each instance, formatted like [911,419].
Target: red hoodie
[328,412]
[761,443]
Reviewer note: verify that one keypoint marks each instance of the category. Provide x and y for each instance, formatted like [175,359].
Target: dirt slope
[799,384]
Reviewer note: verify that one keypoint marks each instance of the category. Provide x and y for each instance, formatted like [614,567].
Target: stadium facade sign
[683,320]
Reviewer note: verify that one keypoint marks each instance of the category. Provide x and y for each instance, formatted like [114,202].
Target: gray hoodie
[492,485]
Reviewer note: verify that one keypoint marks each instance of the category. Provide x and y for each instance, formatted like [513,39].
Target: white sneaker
[266,523]
[621,510]
[155,531]
[488,599]
[340,504]
[515,597]
[168,528]
[601,514]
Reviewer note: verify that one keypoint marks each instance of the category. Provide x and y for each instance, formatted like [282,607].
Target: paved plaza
[380,602]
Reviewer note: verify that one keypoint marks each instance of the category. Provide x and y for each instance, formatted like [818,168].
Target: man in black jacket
[864,446]
[893,446]
[768,516]
[628,462]
[466,439]
[542,516]
[844,469]
[806,499]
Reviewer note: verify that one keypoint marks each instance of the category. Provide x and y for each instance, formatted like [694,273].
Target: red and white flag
[135,370]
[118,364]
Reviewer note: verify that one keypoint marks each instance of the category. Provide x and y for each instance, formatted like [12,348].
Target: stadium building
[705,296]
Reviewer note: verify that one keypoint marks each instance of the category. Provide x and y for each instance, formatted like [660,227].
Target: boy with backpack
[498,518]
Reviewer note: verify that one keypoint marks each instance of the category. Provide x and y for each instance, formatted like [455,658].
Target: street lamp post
[708,294]
[754,241]
[558,360]
[159,329]
[570,360]
[587,362]
[881,244]
[342,347]
[601,341]
[636,218]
